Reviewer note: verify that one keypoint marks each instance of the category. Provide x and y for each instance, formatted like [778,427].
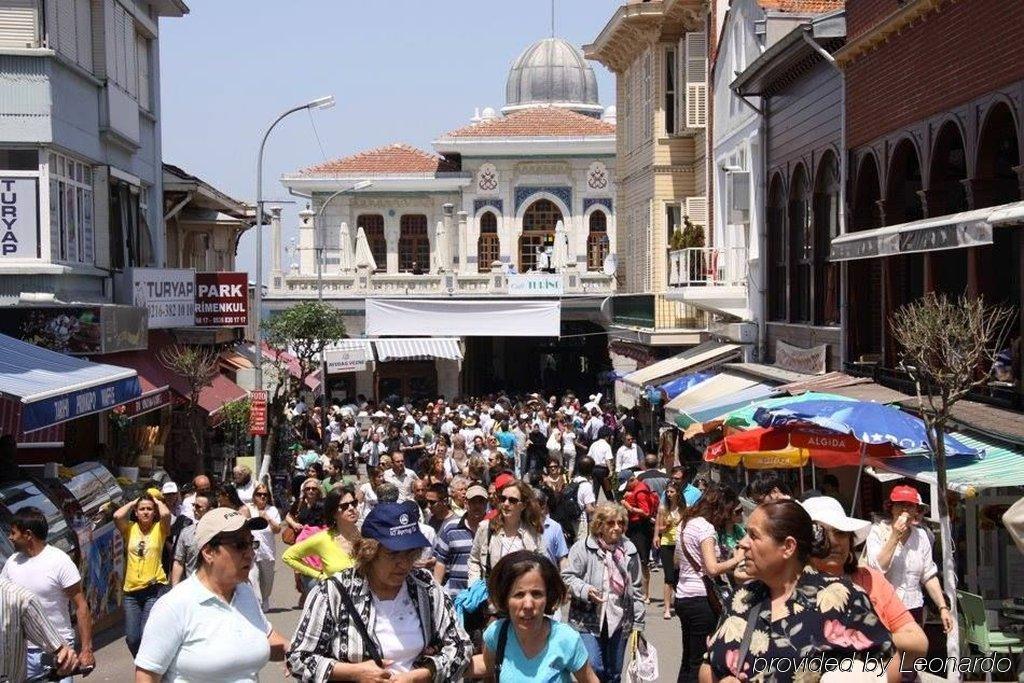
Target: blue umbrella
[871,423]
[681,384]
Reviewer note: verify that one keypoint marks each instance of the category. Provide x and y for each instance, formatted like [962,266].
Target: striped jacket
[326,634]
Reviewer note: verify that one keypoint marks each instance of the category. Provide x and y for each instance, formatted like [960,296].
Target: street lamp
[318,239]
[319,103]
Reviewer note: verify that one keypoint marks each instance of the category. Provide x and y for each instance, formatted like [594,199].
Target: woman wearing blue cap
[382,605]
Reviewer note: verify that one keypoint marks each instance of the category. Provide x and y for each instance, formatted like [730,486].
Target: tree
[947,348]
[302,331]
[197,366]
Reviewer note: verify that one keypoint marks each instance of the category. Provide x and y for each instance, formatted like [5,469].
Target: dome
[552,72]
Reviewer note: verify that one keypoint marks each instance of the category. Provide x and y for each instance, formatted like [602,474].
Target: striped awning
[418,348]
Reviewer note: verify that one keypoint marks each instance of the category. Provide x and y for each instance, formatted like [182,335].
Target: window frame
[413,243]
[800,239]
[598,241]
[488,244]
[376,238]
[671,99]
[72,210]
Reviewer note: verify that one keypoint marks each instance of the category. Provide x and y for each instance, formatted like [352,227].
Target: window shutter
[19,23]
[131,74]
[116,37]
[142,50]
[83,29]
[696,80]
[697,210]
[65,29]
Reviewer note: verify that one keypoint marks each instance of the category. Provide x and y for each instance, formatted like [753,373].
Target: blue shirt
[563,655]
[451,548]
[691,494]
[553,540]
[506,440]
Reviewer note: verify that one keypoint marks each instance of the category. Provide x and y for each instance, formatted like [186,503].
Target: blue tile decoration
[526,192]
[588,202]
[495,202]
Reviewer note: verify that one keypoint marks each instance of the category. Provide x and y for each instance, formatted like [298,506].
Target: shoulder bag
[714,596]
[369,644]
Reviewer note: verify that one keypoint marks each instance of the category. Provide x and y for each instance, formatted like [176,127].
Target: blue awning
[40,388]
[681,384]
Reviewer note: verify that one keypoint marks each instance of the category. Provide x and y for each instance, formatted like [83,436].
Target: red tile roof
[398,158]
[802,6]
[536,122]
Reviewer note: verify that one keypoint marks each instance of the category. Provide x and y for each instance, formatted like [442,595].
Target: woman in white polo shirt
[209,627]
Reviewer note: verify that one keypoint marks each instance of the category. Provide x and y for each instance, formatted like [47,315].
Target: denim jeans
[697,621]
[137,605]
[606,653]
[36,661]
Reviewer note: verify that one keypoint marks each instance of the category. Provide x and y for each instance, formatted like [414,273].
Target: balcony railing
[708,267]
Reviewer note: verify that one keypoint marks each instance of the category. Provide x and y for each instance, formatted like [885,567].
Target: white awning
[717,387]
[446,348]
[952,231]
[700,357]
[463,317]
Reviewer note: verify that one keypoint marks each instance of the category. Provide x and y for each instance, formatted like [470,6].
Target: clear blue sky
[402,71]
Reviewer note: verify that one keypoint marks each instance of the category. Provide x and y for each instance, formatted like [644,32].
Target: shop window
[488,247]
[597,241]
[71,210]
[413,244]
[801,245]
[776,220]
[539,223]
[373,225]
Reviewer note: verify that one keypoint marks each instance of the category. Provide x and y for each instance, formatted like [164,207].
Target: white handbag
[643,665]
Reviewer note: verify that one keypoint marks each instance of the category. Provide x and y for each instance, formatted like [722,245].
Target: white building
[513,205]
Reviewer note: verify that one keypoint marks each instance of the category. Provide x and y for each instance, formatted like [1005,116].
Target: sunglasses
[241,545]
[260,494]
[511,499]
[309,488]
[347,506]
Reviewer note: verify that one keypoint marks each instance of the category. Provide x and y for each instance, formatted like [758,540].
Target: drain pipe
[844,304]
[762,229]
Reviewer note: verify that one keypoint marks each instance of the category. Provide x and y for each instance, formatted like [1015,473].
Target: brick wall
[960,52]
[863,14]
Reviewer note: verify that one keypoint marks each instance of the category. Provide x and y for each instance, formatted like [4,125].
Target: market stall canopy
[952,231]
[446,348]
[40,388]
[701,357]
[680,384]
[463,317]
[677,411]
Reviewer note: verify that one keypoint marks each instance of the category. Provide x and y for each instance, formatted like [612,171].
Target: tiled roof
[802,6]
[536,122]
[397,159]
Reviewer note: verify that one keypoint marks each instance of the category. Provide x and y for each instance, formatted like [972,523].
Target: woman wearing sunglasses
[210,627]
[517,526]
[262,573]
[332,546]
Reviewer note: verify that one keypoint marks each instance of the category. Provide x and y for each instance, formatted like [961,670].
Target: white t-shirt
[369,500]
[245,492]
[584,497]
[601,452]
[398,630]
[690,584]
[48,575]
[627,458]
[265,536]
[402,483]
[193,635]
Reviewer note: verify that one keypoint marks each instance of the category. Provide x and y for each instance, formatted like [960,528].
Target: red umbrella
[797,442]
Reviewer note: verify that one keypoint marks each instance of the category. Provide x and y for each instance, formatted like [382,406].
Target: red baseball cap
[503,480]
[905,494]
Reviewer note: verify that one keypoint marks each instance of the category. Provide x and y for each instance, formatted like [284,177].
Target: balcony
[711,278]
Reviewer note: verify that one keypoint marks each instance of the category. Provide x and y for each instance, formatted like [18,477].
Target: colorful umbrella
[766,447]
[742,417]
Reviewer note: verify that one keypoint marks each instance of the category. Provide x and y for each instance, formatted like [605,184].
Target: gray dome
[552,72]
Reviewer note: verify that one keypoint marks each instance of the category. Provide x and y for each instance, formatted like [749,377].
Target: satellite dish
[610,264]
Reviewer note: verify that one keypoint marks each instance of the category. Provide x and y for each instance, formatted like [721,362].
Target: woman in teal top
[526,644]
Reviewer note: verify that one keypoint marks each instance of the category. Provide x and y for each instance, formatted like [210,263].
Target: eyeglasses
[511,499]
[346,506]
[241,545]
[260,494]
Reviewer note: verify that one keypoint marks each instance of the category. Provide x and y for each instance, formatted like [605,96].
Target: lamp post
[318,246]
[319,103]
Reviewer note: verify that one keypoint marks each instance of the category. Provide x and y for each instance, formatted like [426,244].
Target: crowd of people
[500,537]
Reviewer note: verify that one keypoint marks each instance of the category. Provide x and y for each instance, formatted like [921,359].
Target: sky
[401,70]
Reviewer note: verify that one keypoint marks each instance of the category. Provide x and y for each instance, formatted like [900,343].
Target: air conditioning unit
[738,184]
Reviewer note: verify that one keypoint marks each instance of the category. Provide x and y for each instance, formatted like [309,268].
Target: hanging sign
[19,218]
[222,299]
[345,360]
[258,412]
[169,294]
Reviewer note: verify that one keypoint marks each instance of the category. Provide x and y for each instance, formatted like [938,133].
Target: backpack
[566,511]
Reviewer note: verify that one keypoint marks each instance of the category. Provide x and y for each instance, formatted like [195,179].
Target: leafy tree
[947,349]
[197,366]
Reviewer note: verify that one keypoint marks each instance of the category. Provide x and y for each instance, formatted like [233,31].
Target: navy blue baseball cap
[395,526]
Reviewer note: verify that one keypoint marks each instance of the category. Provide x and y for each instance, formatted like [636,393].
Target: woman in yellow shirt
[331,549]
[144,577]
[667,530]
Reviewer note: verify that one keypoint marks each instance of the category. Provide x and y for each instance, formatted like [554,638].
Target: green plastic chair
[977,631]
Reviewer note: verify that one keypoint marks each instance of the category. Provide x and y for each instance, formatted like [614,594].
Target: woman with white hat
[902,550]
[846,535]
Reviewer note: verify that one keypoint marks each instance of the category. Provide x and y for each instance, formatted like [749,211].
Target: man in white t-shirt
[400,476]
[629,455]
[585,497]
[52,576]
[601,453]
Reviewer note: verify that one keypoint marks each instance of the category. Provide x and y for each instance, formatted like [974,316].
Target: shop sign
[222,299]
[145,404]
[345,360]
[795,359]
[536,285]
[64,407]
[169,294]
[19,218]
[258,412]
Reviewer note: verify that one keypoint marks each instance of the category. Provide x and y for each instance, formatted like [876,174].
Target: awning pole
[814,476]
[860,473]
[801,480]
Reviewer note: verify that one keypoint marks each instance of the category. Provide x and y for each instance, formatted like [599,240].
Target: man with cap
[210,626]
[172,498]
[455,540]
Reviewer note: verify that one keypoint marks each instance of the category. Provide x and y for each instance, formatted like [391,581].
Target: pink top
[696,531]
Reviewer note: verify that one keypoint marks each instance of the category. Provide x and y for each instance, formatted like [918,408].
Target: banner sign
[148,403]
[795,359]
[345,360]
[222,299]
[169,294]
[258,412]
[19,218]
[61,408]
[536,285]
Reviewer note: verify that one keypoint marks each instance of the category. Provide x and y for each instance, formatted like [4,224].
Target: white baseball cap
[828,510]
[221,520]
[169,487]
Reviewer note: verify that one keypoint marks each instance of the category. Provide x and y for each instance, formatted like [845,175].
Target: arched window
[777,265]
[826,227]
[539,223]
[946,191]
[413,244]
[597,241]
[488,247]
[866,195]
[373,225]
[998,153]
[902,201]
[801,247]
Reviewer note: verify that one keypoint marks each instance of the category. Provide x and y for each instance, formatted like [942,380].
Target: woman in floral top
[804,619]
